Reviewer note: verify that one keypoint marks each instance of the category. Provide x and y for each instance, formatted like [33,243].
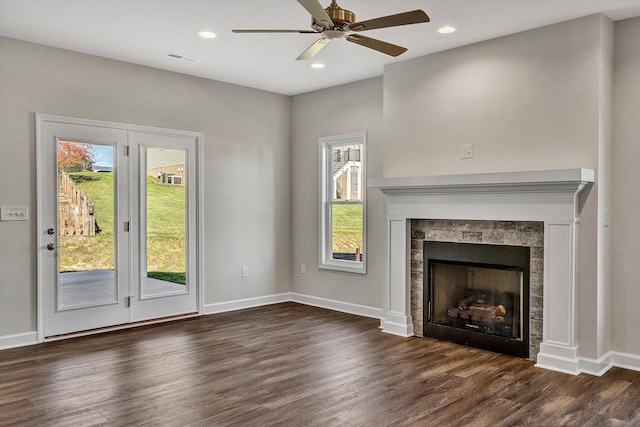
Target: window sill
[344,266]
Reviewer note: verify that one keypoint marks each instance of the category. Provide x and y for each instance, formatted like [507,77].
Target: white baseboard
[597,367]
[626,360]
[397,324]
[589,366]
[29,338]
[345,307]
[613,358]
[240,304]
[18,340]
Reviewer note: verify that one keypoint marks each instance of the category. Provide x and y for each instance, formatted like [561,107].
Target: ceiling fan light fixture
[335,22]
[207,34]
[447,29]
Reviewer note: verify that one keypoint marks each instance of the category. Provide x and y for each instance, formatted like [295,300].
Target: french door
[117,224]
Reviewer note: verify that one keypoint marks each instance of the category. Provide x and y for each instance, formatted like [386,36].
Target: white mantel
[550,196]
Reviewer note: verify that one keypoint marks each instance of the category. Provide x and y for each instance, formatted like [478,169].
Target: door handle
[51,231]
[51,246]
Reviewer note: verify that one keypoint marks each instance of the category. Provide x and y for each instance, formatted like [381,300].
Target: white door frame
[41,119]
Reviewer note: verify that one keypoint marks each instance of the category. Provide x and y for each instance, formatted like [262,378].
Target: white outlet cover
[14,213]
[466,151]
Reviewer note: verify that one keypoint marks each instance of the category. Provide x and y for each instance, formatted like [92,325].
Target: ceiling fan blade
[313,49]
[317,11]
[406,18]
[275,31]
[379,45]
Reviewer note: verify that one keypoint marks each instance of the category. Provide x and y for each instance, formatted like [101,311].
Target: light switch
[14,213]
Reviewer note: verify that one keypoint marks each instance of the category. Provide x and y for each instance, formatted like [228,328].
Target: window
[343,203]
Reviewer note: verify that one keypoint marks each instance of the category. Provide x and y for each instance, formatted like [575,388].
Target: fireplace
[547,197]
[477,295]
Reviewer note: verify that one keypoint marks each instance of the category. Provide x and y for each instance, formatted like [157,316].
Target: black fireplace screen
[477,295]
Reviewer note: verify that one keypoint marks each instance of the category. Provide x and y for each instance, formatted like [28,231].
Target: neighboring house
[347,176]
[166,165]
[101,168]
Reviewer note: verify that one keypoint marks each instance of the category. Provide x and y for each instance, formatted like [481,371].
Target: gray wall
[532,100]
[246,163]
[349,108]
[540,99]
[626,193]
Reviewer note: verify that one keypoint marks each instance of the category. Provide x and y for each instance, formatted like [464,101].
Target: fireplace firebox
[477,295]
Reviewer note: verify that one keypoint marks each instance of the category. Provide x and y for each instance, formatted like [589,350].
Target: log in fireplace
[478,295]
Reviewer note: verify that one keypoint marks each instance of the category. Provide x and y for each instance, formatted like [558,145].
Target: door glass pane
[86,195]
[346,231]
[164,239]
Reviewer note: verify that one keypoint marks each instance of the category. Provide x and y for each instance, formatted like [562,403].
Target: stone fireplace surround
[513,233]
[548,196]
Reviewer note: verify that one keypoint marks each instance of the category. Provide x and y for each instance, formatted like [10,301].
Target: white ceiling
[143,31]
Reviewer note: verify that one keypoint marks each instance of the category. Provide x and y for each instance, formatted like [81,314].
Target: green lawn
[166,229]
[347,228]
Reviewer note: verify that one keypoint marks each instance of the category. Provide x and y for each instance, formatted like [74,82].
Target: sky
[104,155]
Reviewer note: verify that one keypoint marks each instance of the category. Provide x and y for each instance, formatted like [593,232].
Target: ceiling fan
[334,23]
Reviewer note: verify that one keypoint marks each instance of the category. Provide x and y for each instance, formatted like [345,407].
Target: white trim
[18,340]
[547,181]
[40,196]
[325,258]
[397,324]
[597,367]
[40,119]
[550,196]
[565,365]
[558,358]
[221,307]
[200,222]
[626,360]
[611,359]
[345,307]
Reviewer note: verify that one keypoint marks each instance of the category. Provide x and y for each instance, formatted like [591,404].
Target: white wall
[626,190]
[349,108]
[527,101]
[246,163]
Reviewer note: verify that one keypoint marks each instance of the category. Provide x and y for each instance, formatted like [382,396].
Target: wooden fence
[75,210]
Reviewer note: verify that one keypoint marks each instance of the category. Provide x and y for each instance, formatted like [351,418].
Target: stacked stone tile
[514,233]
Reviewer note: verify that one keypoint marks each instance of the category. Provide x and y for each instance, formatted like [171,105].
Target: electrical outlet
[303,268]
[466,151]
[244,271]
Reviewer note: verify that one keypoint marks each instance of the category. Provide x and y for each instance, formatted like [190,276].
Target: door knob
[51,246]
[50,231]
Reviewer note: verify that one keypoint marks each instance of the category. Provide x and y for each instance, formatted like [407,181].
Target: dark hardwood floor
[294,365]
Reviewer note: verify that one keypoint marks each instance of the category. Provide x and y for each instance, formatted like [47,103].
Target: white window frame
[325,251]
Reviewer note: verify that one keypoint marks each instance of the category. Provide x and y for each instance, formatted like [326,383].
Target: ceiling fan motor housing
[341,18]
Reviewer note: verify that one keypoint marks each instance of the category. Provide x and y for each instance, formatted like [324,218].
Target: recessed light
[447,30]
[207,35]
[317,65]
